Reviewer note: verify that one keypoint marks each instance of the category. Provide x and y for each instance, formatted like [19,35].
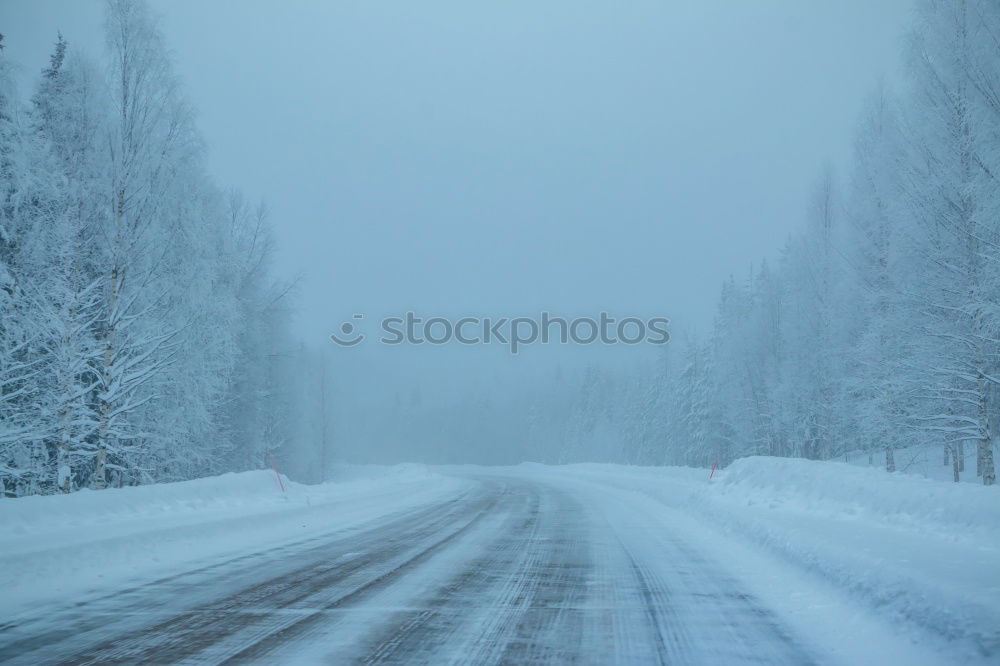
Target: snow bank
[91,541]
[922,553]
[841,490]
[98,508]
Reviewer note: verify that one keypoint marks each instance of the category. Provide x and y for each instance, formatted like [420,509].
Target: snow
[922,460]
[808,610]
[919,551]
[773,559]
[64,546]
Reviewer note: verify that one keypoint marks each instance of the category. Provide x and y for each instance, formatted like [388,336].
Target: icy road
[514,566]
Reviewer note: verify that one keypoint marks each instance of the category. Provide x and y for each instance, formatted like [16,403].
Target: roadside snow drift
[62,546]
[923,553]
[926,552]
[833,547]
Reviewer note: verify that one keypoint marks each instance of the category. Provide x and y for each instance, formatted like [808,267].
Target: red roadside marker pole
[277,475]
[715,463]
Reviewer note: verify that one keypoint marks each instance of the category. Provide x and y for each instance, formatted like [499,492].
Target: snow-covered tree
[142,334]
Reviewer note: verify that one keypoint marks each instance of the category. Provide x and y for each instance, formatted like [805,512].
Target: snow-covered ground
[923,554]
[772,561]
[59,548]
[922,460]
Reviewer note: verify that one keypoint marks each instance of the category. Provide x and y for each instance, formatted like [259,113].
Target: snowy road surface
[513,566]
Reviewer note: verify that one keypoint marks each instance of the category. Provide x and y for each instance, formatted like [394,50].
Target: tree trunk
[946,456]
[64,474]
[984,428]
[114,279]
[961,455]
[986,455]
[890,460]
[954,468]
[100,477]
[984,452]
[63,471]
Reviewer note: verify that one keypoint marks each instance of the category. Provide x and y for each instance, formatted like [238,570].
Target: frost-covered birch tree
[143,334]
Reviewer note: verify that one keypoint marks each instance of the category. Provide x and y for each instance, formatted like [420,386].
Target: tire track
[421,632]
[520,603]
[550,629]
[237,625]
[701,615]
[277,601]
[100,612]
[516,572]
[294,629]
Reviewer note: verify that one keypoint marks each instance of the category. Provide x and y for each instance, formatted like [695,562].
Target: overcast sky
[503,157]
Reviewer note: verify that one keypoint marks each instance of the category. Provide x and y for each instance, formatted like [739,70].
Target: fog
[552,332]
[502,159]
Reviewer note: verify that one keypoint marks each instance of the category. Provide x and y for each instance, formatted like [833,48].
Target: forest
[144,333]
[877,329]
[142,330]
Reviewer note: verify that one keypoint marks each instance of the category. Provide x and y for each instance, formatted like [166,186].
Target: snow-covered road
[518,565]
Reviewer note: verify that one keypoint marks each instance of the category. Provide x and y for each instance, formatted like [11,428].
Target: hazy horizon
[459,160]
